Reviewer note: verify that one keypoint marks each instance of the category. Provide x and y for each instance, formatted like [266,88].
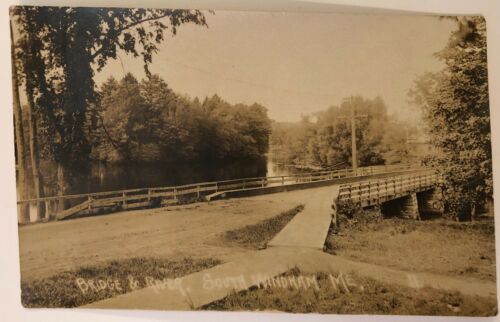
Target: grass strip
[93,283]
[258,235]
[327,293]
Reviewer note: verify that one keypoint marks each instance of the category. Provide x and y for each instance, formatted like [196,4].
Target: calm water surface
[101,176]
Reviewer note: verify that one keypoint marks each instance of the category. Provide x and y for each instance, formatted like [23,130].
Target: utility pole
[354,150]
[354,154]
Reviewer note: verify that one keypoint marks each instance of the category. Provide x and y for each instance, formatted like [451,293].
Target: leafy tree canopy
[327,141]
[60,48]
[147,121]
[456,106]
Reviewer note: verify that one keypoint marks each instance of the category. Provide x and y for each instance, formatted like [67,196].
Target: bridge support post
[424,204]
[430,202]
[403,207]
[409,207]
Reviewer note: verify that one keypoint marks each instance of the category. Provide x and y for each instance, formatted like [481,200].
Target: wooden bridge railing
[370,192]
[136,198]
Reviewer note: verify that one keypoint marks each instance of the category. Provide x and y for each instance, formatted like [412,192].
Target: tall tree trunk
[22,165]
[33,133]
[489,206]
[62,186]
[35,160]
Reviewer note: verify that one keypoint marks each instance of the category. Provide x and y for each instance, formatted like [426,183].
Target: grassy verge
[258,235]
[327,293]
[436,246]
[93,283]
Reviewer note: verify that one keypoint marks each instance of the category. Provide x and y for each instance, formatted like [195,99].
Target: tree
[456,107]
[327,142]
[31,61]
[369,131]
[62,48]
[289,139]
[129,120]
[104,146]
[147,122]
[21,158]
[395,141]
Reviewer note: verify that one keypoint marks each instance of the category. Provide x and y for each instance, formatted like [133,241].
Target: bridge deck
[100,202]
[310,227]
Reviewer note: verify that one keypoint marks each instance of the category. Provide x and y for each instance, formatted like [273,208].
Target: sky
[297,63]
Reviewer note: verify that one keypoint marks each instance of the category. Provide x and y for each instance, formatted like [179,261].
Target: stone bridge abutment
[416,205]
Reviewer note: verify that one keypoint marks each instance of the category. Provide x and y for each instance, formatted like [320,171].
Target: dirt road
[176,232]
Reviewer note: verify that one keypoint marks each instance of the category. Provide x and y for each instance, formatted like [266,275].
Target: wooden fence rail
[376,191]
[142,197]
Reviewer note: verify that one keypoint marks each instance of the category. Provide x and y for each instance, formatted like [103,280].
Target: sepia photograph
[260,161]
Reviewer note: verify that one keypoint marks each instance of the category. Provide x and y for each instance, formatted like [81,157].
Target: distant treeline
[324,139]
[147,122]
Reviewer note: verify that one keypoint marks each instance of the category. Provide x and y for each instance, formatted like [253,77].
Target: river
[100,176]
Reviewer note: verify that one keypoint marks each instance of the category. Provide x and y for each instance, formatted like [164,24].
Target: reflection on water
[100,176]
[274,169]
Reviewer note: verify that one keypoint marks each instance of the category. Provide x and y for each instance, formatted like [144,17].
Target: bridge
[405,191]
[300,244]
[111,201]
[406,195]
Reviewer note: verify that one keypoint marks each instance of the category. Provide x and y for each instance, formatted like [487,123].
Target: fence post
[282,180]
[47,211]
[90,204]
[149,195]
[244,183]
[124,199]
[378,191]
[198,188]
